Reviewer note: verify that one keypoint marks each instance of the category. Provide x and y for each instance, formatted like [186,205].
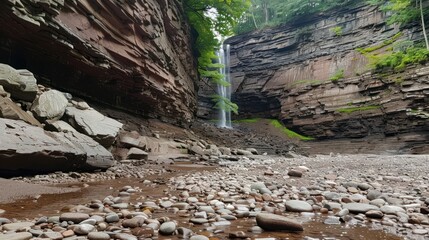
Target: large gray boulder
[30,148]
[21,84]
[50,105]
[94,124]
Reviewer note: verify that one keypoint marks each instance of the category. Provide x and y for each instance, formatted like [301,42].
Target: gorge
[287,73]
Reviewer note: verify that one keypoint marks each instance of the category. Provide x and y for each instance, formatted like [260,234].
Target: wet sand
[12,191]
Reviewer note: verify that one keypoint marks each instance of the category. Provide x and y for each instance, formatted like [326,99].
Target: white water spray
[224,91]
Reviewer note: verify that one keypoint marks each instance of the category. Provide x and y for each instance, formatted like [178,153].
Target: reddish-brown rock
[286,72]
[134,55]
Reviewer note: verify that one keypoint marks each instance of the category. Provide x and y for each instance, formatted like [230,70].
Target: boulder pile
[43,129]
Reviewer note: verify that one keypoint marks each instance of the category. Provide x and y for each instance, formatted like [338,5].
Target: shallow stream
[49,205]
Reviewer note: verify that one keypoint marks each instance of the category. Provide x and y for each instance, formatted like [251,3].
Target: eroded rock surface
[128,54]
[286,73]
[30,148]
[20,83]
[101,128]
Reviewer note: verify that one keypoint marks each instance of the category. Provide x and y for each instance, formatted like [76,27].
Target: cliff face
[286,73]
[134,55]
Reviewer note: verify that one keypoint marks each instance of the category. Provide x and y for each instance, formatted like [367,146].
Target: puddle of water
[49,205]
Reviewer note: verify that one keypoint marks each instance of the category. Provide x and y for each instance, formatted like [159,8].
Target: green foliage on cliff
[405,52]
[406,11]
[266,13]
[210,18]
[357,109]
[277,124]
[338,30]
[399,60]
[248,120]
[339,74]
[225,104]
[381,45]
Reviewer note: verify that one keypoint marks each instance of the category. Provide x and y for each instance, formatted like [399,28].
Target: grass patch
[379,46]
[357,109]
[277,124]
[339,74]
[249,120]
[399,60]
[338,30]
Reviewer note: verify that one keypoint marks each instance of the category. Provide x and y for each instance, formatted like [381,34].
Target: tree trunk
[266,13]
[423,25]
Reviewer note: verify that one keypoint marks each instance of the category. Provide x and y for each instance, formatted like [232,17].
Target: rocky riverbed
[321,197]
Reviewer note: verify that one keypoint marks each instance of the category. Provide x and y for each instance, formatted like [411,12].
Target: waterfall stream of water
[224,91]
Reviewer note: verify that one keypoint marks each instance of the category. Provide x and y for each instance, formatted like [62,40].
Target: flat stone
[98,236]
[272,222]
[332,220]
[34,149]
[120,205]
[298,206]
[17,226]
[392,209]
[133,222]
[84,229]
[373,194]
[181,205]
[420,231]
[74,217]
[16,236]
[359,207]
[89,221]
[207,209]
[52,235]
[260,186]
[238,235]
[374,214]
[59,126]
[166,204]
[112,217]
[294,173]
[221,223]
[198,220]
[244,152]
[68,233]
[125,236]
[138,154]
[94,124]
[198,237]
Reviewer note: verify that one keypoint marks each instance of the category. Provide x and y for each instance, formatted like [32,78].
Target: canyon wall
[134,55]
[313,78]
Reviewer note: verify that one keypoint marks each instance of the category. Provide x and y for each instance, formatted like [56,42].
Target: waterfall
[224,91]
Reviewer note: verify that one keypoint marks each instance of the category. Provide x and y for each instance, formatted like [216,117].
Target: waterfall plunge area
[224,91]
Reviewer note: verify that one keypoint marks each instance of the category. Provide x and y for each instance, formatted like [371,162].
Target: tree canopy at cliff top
[210,18]
[263,13]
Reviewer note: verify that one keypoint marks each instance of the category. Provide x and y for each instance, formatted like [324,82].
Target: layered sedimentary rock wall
[311,76]
[134,55]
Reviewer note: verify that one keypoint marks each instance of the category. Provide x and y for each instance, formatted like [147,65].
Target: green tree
[278,12]
[405,11]
[211,19]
